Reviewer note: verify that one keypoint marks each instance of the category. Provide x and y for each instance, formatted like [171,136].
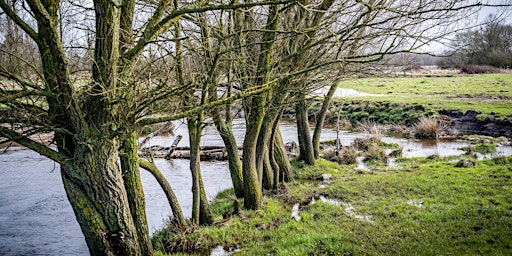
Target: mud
[461,123]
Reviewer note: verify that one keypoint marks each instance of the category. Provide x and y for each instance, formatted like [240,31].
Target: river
[36,217]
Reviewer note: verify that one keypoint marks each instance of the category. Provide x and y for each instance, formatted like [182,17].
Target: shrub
[398,129]
[347,155]
[427,128]
[371,129]
[361,143]
[478,69]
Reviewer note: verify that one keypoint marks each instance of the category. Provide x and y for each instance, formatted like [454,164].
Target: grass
[481,148]
[427,207]
[488,93]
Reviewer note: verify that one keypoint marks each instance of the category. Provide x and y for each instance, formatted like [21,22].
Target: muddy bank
[456,122]
[461,123]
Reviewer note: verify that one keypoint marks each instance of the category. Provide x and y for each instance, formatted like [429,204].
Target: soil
[467,123]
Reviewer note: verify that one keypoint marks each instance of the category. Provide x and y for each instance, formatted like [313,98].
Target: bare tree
[91,122]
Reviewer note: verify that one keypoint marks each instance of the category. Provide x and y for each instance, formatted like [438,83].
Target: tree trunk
[133,185]
[254,118]
[235,165]
[268,171]
[201,212]
[262,160]
[320,118]
[281,158]
[271,155]
[95,189]
[177,213]
[305,143]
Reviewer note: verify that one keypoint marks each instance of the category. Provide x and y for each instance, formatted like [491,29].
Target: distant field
[488,93]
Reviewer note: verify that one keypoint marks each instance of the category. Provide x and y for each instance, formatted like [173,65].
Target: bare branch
[36,146]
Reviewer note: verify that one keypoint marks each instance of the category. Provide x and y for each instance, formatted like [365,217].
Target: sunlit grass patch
[488,93]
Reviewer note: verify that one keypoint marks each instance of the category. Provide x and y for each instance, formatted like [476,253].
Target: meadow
[490,94]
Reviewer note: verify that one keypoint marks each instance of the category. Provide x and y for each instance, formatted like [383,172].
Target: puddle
[219,251]
[295,212]
[416,202]
[348,208]
[392,163]
[361,165]
[351,210]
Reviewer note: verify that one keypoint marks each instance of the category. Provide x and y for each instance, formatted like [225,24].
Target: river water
[36,217]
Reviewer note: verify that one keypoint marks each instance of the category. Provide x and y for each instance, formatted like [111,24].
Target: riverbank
[425,206]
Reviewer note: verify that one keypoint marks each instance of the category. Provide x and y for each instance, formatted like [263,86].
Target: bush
[347,155]
[427,128]
[478,69]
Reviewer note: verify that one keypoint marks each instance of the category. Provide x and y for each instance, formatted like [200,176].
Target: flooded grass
[428,207]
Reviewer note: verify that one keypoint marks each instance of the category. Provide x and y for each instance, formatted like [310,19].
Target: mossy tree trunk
[254,117]
[254,108]
[305,143]
[320,118]
[133,185]
[93,180]
[100,200]
[201,212]
[177,213]
[281,158]
[223,122]
[235,165]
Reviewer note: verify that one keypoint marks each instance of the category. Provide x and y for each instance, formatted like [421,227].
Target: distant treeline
[489,45]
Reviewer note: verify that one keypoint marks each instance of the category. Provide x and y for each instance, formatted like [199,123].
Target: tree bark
[94,186]
[235,165]
[252,187]
[281,158]
[133,185]
[305,143]
[201,212]
[320,118]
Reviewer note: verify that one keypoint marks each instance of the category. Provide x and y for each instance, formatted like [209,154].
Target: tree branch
[152,32]
[22,24]
[195,110]
[36,146]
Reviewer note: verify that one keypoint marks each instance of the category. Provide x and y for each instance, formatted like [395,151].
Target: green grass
[488,93]
[481,148]
[427,207]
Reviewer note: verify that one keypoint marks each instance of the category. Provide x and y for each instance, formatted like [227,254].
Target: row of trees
[158,61]
[490,45]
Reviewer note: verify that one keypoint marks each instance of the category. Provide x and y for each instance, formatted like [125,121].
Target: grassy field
[425,207]
[488,93]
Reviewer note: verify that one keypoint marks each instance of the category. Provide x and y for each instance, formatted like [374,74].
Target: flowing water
[36,217]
